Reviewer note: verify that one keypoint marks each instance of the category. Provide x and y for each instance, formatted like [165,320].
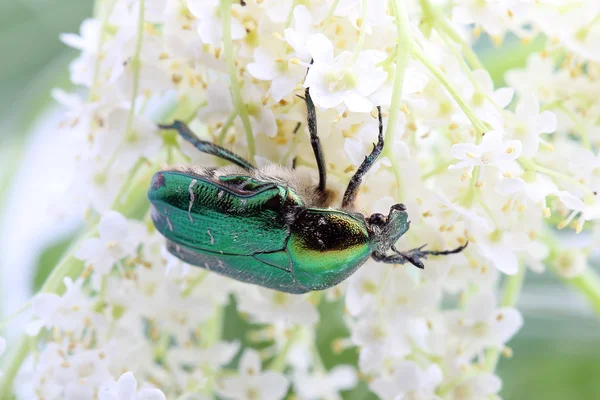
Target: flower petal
[358,103]
[150,394]
[113,226]
[503,96]
[250,363]
[546,122]
[126,386]
[320,48]
[481,307]
[461,150]
[273,385]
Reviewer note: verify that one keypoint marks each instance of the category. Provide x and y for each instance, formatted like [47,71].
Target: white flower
[492,151]
[414,82]
[352,10]
[522,191]
[480,386]
[453,212]
[284,75]
[325,386]
[83,67]
[409,382]
[116,241]
[499,249]
[495,17]
[66,312]
[210,28]
[535,78]
[587,210]
[298,35]
[380,339]
[125,388]
[571,262]
[486,101]
[363,287]
[529,123]
[151,75]
[141,140]
[574,27]
[361,143]
[252,382]
[482,324]
[402,295]
[88,38]
[343,79]
[219,354]
[269,306]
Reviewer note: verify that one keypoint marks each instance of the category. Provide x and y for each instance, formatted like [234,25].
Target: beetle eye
[377,219]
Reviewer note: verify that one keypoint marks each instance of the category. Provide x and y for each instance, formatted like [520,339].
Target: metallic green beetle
[271,227]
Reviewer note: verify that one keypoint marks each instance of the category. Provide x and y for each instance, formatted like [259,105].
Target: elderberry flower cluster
[497,165]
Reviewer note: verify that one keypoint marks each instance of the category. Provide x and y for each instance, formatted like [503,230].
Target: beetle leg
[354,184]
[314,139]
[414,256]
[296,129]
[399,258]
[206,147]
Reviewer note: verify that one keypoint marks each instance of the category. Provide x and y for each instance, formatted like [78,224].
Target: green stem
[528,164]
[290,16]
[441,24]
[404,48]
[472,192]
[330,13]
[135,64]
[463,64]
[232,72]
[588,284]
[100,44]
[510,296]
[363,29]
[441,77]
[443,167]
[582,131]
[226,125]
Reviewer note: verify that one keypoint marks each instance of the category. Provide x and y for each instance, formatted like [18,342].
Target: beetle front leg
[400,258]
[414,256]
[355,181]
[296,129]
[206,147]
[314,140]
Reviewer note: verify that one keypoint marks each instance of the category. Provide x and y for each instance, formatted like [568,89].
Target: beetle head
[385,231]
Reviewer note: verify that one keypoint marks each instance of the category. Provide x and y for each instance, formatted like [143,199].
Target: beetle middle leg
[355,181]
[207,147]
[414,256]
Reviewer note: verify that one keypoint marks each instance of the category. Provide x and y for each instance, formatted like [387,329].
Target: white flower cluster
[497,167]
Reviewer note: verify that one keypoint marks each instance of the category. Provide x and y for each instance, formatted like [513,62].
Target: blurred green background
[556,355]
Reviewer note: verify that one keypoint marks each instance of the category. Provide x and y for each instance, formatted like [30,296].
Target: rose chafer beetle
[271,227]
